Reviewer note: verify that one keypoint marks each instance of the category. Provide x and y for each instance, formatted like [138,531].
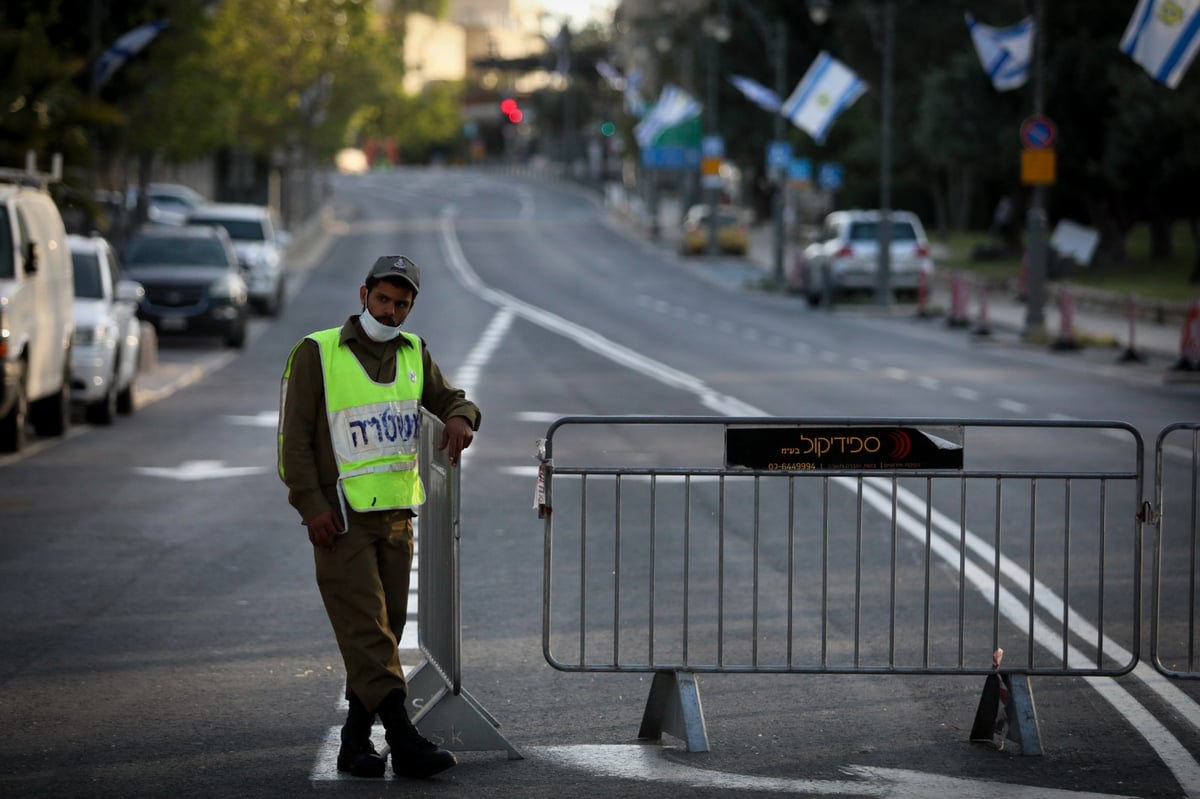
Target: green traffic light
[608,128]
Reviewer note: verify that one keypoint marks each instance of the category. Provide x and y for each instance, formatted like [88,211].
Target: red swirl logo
[901,445]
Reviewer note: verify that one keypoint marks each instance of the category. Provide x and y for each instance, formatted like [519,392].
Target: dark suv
[193,282]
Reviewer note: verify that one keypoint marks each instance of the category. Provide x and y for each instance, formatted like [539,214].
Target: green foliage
[41,108]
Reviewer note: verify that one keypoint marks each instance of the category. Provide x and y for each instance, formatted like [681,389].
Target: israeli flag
[611,75]
[1162,37]
[826,90]
[1004,52]
[674,106]
[634,104]
[758,94]
[124,49]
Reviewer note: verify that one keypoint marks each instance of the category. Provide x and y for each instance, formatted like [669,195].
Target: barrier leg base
[1006,710]
[673,706]
[454,721]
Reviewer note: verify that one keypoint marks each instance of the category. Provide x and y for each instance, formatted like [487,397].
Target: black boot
[412,755]
[357,754]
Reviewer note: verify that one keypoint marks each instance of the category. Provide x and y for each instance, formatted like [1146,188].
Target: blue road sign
[1038,132]
[670,156]
[830,176]
[800,169]
[779,155]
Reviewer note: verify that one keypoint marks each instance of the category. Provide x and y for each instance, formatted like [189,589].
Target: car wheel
[237,335]
[105,410]
[52,416]
[276,302]
[12,426]
[125,403]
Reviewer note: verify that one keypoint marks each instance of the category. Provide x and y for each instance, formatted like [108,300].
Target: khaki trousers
[364,584]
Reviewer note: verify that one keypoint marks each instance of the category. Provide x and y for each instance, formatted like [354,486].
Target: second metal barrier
[687,545]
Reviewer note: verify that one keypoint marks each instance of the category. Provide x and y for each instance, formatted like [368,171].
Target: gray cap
[397,266]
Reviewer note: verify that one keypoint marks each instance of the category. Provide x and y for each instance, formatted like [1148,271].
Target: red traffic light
[511,110]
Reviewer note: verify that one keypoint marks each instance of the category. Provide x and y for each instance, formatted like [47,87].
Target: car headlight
[225,289]
[259,257]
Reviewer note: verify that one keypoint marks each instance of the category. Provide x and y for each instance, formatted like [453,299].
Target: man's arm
[450,404]
[303,408]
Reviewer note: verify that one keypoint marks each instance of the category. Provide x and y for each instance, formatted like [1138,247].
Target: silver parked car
[844,258]
[260,246]
[108,333]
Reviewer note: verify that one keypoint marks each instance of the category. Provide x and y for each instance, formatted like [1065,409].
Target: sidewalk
[1094,326]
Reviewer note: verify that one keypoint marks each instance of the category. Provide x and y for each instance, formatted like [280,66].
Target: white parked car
[260,246]
[37,327]
[167,203]
[104,363]
[846,254]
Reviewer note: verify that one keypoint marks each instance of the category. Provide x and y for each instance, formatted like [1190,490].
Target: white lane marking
[544,417]
[1013,406]
[1183,766]
[467,376]
[910,518]
[588,339]
[260,419]
[931,383]
[189,471]
[647,763]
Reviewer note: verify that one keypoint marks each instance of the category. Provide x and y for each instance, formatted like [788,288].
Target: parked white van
[37,321]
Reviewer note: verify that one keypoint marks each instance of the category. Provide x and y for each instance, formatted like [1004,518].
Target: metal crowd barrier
[1176,517]
[687,545]
[437,703]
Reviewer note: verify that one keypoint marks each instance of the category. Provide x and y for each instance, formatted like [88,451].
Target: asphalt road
[160,632]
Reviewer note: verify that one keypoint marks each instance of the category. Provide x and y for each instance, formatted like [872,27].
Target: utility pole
[883,290]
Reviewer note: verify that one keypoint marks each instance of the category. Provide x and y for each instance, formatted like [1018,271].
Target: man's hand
[456,435]
[323,529]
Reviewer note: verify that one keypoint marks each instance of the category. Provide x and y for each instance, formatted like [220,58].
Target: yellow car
[733,235]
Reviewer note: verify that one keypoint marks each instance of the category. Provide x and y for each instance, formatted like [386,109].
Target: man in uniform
[349,423]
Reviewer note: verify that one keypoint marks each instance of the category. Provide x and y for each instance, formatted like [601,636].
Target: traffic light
[607,128]
[511,110]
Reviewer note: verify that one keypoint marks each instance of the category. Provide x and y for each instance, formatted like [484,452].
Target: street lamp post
[1036,224]
[717,30]
[775,38]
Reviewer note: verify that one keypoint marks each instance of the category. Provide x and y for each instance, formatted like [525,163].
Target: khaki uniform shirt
[309,468]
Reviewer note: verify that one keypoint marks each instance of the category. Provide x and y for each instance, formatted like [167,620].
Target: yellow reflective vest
[374,427]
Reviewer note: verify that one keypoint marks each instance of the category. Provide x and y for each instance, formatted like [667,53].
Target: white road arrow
[199,470]
[260,419]
[647,764]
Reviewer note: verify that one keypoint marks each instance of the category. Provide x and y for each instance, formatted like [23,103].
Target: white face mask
[376,330]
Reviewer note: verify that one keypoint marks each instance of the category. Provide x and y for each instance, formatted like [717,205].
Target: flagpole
[777,231]
[1036,223]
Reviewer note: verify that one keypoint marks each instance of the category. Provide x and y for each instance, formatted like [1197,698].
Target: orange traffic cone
[958,301]
[1066,321]
[1131,353]
[982,328]
[1189,341]
[923,311]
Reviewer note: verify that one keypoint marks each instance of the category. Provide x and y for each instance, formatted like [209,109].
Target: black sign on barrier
[808,448]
